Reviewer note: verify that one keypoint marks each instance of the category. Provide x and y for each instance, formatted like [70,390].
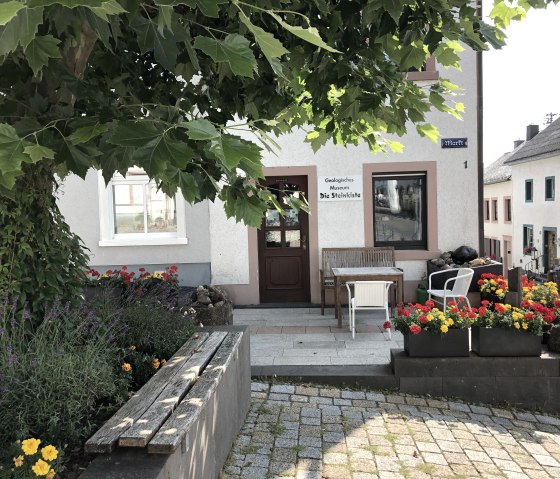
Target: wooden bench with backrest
[351,258]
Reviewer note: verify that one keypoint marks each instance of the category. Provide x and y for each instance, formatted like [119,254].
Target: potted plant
[430,332]
[509,331]
[493,288]
[545,294]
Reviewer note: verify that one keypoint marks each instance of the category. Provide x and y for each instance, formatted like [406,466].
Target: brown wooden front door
[283,246]
[549,250]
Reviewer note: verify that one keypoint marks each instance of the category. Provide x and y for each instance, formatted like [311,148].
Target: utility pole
[549,118]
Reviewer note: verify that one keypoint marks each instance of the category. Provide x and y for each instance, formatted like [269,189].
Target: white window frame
[107,217]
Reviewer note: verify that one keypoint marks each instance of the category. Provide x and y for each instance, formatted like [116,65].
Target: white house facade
[535,168]
[423,201]
[497,212]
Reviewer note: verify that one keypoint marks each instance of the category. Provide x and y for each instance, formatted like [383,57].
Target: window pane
[272,218]
[161,211]
[129,208]
[273,239]
[292,218]
[293,238]
[528,190]
[399,210]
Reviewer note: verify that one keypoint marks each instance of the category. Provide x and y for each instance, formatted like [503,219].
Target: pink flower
[415,329]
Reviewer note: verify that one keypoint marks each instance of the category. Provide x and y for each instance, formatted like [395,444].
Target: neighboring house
[422,202]
[497,212]
[535,170]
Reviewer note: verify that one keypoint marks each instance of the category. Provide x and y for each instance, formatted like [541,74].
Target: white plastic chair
[367,295]
[460,287]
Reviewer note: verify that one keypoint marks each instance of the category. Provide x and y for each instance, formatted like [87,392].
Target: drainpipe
[479,145]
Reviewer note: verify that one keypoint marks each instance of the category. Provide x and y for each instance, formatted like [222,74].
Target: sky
[521,81]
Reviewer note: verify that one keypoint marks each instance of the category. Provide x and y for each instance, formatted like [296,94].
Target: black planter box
[454,343]
[504,342]
[439,280]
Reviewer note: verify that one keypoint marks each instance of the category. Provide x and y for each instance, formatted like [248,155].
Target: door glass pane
[292,218]
[293,239]
[399,209]
[129,208]
[273,239]
[272,218]
[161,211]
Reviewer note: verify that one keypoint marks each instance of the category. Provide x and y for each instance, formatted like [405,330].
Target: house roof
[543,145]
[497,171]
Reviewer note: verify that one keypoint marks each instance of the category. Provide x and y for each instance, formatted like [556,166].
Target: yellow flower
[155,363]
[41,468]
[524,325]
[543,301]
[49,453]
[450,322]
[444,328]
[517,325]
[51,474]
[441,317]
[126,367]
[30,446]
[430,317]
[18,461]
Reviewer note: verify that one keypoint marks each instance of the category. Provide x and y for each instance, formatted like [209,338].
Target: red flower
[557,303]
[141,269]
[387,325]
[471,315]
[482,310]
[405,312]
[529,316]
[485,302]
[415,329]
[424,319]
[500,308]
[430,304]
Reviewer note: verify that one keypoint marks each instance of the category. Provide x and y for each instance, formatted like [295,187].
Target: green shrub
[55,380]
[154,329]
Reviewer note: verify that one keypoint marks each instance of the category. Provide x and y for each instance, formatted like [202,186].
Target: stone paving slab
[300,431]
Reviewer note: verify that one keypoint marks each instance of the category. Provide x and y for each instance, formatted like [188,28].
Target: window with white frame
[134,211]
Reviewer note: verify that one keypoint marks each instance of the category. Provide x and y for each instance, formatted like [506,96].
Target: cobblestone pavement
[303,432]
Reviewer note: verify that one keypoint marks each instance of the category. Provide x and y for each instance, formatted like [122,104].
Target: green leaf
[38,152]
[317,139]
[9,10]
[412,55]
[149,39]
[310,34]
[446,53]
[111,7]
[271,47]
[78,159]
[11,155]
[234,151]
[156,154]
[20,30]
[131,133]
[234,50]
[86,133]
[208,8]
[201,130]
[164,19]
[394,8]
[429,131]
[40,50]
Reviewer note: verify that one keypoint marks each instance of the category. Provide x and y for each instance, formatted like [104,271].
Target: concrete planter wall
[206,445]
[432,345]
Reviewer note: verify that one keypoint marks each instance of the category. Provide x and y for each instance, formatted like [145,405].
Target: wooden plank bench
[351,258]
[158,416]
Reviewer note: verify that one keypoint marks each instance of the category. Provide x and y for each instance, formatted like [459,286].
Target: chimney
[532,131]
[516,143]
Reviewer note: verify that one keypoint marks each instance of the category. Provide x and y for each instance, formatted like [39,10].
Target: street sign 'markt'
[454,143]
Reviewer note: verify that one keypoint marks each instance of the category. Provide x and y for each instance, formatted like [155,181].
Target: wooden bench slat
[174,430]
[144,428]
[105,439]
